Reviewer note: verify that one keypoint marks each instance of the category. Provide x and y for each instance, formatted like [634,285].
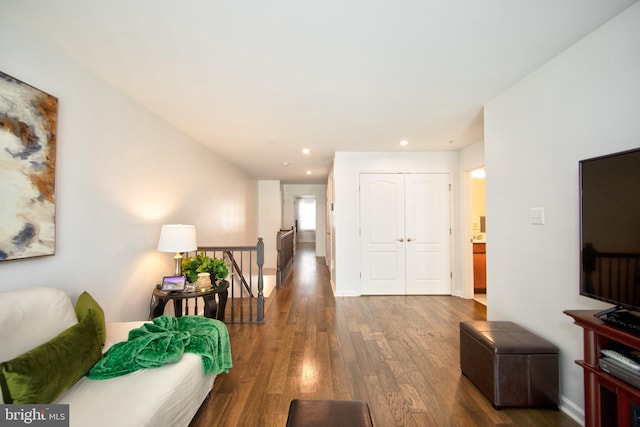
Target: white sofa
[166,396]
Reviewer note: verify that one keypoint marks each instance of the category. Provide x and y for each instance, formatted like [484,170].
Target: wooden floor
[400,354]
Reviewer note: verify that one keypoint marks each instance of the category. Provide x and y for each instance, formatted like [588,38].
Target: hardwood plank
[400,354]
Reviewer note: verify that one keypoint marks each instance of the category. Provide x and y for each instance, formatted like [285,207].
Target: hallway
[400,354]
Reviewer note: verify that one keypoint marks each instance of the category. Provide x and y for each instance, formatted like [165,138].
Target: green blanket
[165,341]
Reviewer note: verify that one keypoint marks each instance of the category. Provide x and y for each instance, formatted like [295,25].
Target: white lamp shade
[177,238]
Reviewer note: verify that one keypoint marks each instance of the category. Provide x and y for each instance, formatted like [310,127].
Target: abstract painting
[27,170]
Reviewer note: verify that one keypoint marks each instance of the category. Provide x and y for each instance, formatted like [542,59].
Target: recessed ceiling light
[404,142]
[305,151]
[308,172]
[285,163]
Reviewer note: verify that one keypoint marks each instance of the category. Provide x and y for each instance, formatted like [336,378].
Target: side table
[212,308]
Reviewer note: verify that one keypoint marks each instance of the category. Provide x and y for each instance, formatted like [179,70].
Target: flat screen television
[610,230]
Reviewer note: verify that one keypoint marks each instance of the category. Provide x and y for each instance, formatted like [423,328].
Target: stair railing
[246,281]
[285,246]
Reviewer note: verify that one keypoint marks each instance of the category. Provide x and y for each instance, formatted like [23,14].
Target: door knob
[401,239]
[409,239]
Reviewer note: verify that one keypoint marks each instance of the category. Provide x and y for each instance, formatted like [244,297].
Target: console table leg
[222,304]
[210,306]
[157,307]
[177,307]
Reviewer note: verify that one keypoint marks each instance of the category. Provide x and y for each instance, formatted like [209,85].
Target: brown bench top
[504,337]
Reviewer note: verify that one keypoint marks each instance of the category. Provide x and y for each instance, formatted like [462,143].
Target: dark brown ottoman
[508,364]
[329,413]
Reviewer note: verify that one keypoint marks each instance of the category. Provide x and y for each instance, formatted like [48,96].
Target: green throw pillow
[44,373]
[87,306]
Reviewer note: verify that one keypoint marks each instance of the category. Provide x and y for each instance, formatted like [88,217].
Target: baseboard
[573,410]
[345,294]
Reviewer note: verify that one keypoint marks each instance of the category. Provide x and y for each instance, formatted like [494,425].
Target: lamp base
[178,259]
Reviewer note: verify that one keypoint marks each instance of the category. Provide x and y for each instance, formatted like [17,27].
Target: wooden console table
[608,400]
[212,308]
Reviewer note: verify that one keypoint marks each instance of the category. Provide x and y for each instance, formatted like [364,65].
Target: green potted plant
[200,263]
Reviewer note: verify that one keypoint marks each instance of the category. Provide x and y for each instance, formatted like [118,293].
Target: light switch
[537,216]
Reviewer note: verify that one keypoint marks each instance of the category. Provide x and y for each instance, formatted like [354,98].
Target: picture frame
[173,284]
[28,125]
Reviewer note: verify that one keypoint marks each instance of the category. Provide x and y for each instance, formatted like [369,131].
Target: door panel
[381,227]
[428,234]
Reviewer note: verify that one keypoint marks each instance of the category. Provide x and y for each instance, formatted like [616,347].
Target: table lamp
[177,238]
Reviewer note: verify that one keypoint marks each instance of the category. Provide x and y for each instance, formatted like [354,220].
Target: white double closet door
[405,234]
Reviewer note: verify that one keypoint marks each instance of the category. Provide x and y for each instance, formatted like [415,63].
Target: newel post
[260,259]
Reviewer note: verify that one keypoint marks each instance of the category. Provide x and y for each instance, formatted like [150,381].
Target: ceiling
[258,81]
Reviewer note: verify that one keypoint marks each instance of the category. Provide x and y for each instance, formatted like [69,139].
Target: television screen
[610,228]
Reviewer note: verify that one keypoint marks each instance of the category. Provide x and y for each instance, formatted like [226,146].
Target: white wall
[121,173]
[347,169]
[319,191]
[584,103]
[269,218]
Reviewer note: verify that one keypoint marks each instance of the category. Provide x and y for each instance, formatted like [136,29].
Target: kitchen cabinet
[479,268]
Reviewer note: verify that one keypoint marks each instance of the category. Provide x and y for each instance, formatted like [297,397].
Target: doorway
[478,234]
[405,238]
[305,208]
